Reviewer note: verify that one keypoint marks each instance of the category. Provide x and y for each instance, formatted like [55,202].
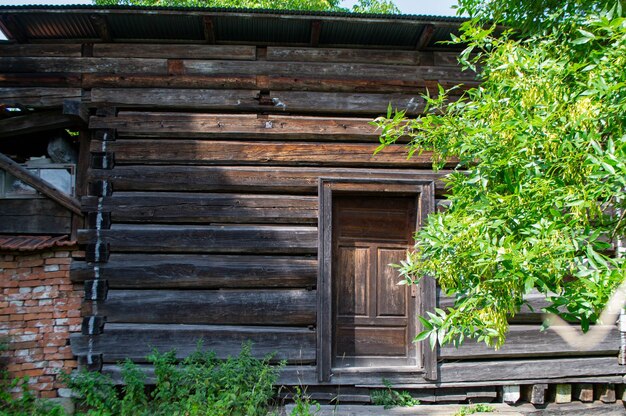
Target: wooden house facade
[231,192]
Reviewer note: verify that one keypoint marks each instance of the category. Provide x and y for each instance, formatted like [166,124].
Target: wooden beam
[194,152]
[39,184]
[102,27]
[13,28]
[316,29]
[189,208]
[193,271]
[209,29]
[425,37]
[77,110]
[277,307]
[136,341]
[206,239]
[35,122]
[251,179]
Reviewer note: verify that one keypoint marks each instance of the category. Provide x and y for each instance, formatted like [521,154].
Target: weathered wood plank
[151,124]
[528,340]
[136,50]
[142,271]
[194,152]
[346,103]
[265,82]
[35,122]
[170,81]
[529,369]
[39,184]
[136,341]
[322,69]
[242,179]
[33,216]
[37,50]
[293,375]
[86,65]
[365,56]
[202,99]
[144,207]
[41,80]
[42,97]
[248,100]
[221,307]
[209,239]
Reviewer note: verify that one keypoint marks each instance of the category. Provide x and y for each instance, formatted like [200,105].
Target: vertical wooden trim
[324,291]
[428,286]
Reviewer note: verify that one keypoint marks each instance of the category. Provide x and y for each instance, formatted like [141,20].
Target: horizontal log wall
[203,207]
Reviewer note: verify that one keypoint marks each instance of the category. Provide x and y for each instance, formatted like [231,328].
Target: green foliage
[362,6]
[479,408]
[388,397]
[199,385]
[304,405]
[532,15]
[16,399]
[540,185]
[375,6]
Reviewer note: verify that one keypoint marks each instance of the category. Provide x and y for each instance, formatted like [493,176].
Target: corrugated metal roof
[33,242]
[166,24]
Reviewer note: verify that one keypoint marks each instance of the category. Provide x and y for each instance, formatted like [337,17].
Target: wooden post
[563,393]
[536,393]
[511,394]
[607,393]
[583,392]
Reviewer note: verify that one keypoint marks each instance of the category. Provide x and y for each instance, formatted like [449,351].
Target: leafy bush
[199,385]
[391,398]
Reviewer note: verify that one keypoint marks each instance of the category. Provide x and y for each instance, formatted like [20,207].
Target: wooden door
[373,316]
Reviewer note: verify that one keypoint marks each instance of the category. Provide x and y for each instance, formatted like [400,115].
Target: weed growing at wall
[199,385]
[388,397]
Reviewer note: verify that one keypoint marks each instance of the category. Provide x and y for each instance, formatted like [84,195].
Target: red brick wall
[39,308]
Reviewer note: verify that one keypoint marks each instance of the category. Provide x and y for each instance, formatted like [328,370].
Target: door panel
[391,297]
[353,281]
[372,314]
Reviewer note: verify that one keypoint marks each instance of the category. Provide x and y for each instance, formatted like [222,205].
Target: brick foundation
[39,309]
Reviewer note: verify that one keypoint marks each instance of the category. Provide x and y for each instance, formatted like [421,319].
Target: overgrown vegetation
[16,399]
[478,408]
[362,6]
[199,385]
[539,191]
[388,397]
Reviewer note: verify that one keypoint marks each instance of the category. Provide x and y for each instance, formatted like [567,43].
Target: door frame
[424,191]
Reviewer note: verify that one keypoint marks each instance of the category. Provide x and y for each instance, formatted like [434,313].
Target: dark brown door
[373,316]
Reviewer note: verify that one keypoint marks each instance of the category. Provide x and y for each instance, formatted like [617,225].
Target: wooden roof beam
[102,27]
[316,29]
[209,29]
[74,114]
[12,28]
[23,174]
[425,37]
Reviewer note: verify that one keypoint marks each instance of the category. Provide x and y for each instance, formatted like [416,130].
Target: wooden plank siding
[210,216]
